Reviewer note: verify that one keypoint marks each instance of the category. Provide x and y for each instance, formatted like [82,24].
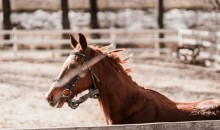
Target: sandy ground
[24,83]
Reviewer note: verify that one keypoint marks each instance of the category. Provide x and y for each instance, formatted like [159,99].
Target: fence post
[156,42]
[180,37]
[217,40]
[113,37]
[14,42]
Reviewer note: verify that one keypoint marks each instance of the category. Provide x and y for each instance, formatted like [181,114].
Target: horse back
[168,110]
[204,110]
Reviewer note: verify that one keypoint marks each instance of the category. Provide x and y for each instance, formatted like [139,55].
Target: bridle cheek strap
[93,93]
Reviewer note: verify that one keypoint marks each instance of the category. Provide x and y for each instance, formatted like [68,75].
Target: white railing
[145,36]
[112,36]
[198,40]
[202,38]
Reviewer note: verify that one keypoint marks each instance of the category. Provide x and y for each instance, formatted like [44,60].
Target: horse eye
[73,65]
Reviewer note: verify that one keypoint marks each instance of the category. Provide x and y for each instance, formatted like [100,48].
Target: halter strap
[93,92]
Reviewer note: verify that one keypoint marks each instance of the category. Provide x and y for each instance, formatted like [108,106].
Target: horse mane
[116,57]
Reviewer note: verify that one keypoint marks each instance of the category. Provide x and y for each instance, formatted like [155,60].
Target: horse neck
[116,88]
[113,78]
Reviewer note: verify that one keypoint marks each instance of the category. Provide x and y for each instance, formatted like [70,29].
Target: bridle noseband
[93,92]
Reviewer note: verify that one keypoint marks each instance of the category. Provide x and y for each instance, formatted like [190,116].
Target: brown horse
[123,101]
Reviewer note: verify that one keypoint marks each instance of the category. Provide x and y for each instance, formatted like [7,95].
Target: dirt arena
[24,83]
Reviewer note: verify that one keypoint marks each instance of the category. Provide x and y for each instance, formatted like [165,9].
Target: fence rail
[203,39]
[188,125]
[111,32]
[46,37]
[113,36]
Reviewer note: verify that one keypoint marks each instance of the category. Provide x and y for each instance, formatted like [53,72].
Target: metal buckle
[73,103]
[94,93]
[69,93]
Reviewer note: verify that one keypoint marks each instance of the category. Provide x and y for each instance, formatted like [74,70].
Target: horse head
[76,74]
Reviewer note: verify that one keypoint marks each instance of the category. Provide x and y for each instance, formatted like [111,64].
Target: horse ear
[82,41]
[73,41]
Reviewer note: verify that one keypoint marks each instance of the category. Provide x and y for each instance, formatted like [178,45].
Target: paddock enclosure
[186,70]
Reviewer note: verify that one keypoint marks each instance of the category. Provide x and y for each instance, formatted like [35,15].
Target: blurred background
[175,46]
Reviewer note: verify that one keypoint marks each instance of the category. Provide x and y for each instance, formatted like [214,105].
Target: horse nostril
[50,98]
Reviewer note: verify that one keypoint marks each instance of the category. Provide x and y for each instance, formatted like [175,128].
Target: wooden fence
[192,125]
[115,36]
[205,39]
[111,36]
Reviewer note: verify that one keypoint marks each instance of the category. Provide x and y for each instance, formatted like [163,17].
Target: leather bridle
[93,92]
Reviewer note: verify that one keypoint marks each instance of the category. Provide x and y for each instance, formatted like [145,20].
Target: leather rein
[93,92]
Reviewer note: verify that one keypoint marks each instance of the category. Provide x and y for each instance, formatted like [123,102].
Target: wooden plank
[198,32]
[197,42]
[112,39]
[192,125]
[49,32]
